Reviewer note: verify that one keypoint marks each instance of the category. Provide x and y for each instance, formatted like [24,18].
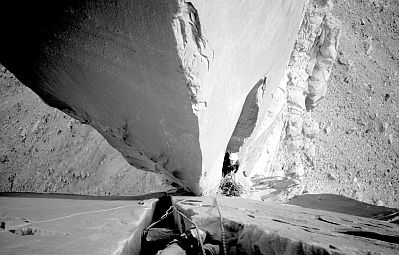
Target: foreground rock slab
[341,204]
[69,226]
[254,227]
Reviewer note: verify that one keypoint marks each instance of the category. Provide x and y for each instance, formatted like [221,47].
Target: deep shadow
[372,235]
[150,241]
[247,120]
[164,203]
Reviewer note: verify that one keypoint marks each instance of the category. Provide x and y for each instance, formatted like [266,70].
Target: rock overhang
[163,82]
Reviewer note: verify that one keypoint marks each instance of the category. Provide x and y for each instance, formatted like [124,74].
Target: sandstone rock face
[255,227]
[44,150]
[72,225]
[281,146]
[308,71]
[163,81]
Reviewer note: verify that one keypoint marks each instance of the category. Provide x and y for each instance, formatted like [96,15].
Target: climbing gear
[221,227]
[169,211]
[196,228]
[150,233]
[175,243]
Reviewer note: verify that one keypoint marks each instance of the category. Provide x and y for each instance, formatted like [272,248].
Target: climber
[234,162]
[231,163]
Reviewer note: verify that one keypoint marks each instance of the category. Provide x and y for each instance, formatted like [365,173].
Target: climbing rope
[166,214]
[196,228]
[61,218]
[221,228]
[172,209]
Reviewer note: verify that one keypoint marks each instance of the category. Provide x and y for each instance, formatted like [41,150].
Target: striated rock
[253,227]
[345,205]
[72,224]
[309,69]
[163,81]
[324,52]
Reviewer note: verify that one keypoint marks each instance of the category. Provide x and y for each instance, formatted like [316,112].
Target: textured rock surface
[44,150]
[358,146]
[163,82]
[253,227]
[341,204]
[308,71]
[69,226]
[277,154]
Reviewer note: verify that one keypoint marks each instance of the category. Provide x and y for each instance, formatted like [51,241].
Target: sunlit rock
[163,81]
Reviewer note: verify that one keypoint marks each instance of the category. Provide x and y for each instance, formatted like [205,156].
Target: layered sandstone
[163,81]
[280,148]
[256,227]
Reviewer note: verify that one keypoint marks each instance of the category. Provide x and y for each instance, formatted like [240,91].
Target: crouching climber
[228,184]
[231,163]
